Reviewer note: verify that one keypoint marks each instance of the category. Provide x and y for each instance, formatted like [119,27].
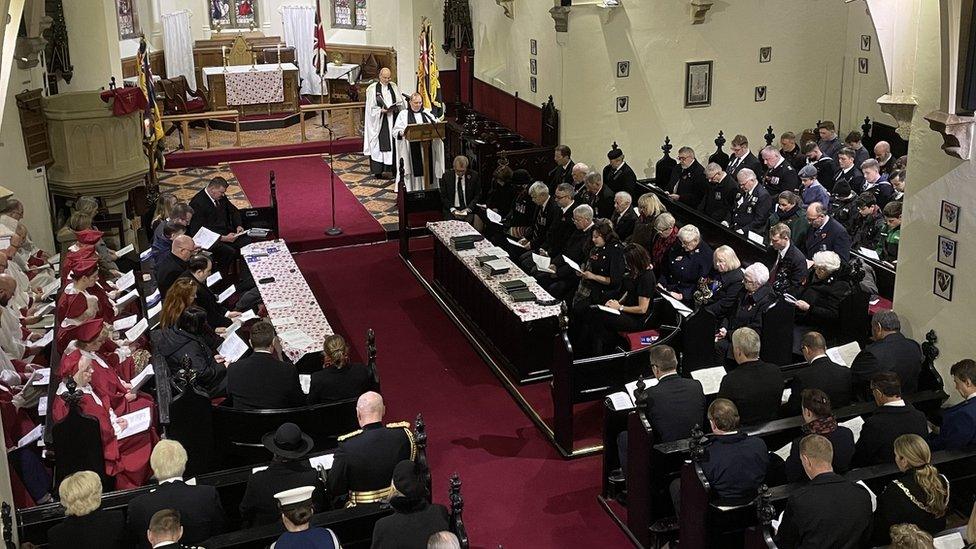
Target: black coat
[826,375]
[501,198]
[756,388]
[675,405]
[753,211]
[601,202]
[623,224]
[725,293]
[546,217]
[826,168]
[749,161]
[201,513]
[221,218]
[259,506]
[578,247]
[894,507]
[175,343]
[559,175]
[260,381]
[719,200]
[689,184]
[448,186]
[842,441]
[781,178]
[605,261]
[365,459]
[830,511]
[895,353]
[847,182]
[831,236]
[735,466]
[559,233]
[683,269]
[335,384]
[168,269]
[623,179]
[824,297]
[749,310]
[879,432]
[207,300]
[790,271]
[794,157]
[410,526]
[99,529]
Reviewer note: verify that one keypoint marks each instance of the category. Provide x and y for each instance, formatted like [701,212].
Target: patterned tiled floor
[376,195]
[341,122]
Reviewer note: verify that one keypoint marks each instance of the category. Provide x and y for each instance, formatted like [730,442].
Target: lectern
[425,134]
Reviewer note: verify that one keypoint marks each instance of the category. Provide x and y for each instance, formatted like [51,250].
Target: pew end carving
[456,523]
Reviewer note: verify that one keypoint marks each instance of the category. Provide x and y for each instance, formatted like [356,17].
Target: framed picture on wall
[533,85]
[760,93]
[766,54]
[533,66]
[947,251]
[533,47]
[623,69]
[949,218]
[865,42]
[623,103]
[698,84]
[862,65]
[942,283]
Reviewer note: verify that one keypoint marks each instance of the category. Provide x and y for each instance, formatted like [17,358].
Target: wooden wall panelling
[157,63]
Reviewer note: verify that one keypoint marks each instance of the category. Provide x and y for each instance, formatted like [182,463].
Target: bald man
[383,103]
[882,153]
[412,152]
[363,468]
[173,264]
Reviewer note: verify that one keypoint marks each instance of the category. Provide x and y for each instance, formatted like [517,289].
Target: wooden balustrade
[319,107]
[184,121]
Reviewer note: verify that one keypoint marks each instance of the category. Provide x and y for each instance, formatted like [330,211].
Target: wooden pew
[264,217]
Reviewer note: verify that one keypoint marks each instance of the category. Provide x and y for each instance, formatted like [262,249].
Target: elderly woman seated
[726,282]
[686,265]
[747,310]
[818,300]
[649,207]
[665,238]
[85,525]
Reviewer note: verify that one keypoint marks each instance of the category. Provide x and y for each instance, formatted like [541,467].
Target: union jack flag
[318,52]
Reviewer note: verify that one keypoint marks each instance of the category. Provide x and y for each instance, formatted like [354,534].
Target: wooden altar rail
[184,121]
[318,107]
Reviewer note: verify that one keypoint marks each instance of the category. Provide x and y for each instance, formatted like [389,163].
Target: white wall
[93,35]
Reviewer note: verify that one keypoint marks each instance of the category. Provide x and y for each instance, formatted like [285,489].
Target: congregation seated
[82,299]
[752,205]
[164,211]
[849,178]
[112,367]
[87,235]
[882,155]
[262,380]
[755,387]
[789,271]
[602,271]
[823,374]
[165,530]
[819,297]
[649,207]
[721,193]
[686,265]
[200,512]
[876,182]
[890,351]
[338,379]
[897,180]
[443,540]
[909,536]
[830,511]
[634,303]
[855,142]
[742,158]
[825,234]
[958,429]
[664,240]
[887,249]
[172,265]
[617,174]
[755,298]
[920,496]
[546,214]
[362,469]
[829,142]
[500,199]
[213,210]
[687,185]
[414,520]
[597,195]
[85,526]
[791,151]
[624,217]
[789,211]
[522,213]
[726,281]
[825,165]
[867,226]
[818,419]
[460,190]
[893,418]
[563,172]
[184,342]
[198,269]
[779,174]
[811,188]
[175,222]
[558,230]
[561,281]
[296,507]
[126,459]
[289,469]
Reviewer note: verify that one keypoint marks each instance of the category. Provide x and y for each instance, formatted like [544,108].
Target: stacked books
[495,266]
[465,241]
[518,291]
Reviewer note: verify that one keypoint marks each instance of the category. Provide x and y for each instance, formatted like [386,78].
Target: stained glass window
[125,10]
[233,14]
[349,14]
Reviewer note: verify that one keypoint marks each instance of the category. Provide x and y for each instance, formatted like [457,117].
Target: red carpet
[212,157]
[517,491]
[304,203]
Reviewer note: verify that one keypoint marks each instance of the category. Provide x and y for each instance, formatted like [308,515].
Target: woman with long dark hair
[185,341]
[634,306]
[818,418]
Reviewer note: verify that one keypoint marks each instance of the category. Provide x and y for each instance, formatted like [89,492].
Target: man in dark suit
[458,200]
[618,175]
[212,209]
[363,467]
[172,265]
[892,419]
[890,352]
[201,513]
[688,184]
[563,172]
[624,215]
[848,178]
[288,469]
[830,511]
[780,175]
[260,381]
[826,167]
[958,428]
[559,230]
[547,215]
[823,374]
[753,204]
[754,386]
[563,281]
[742,157]
[790,268]
[826,234]
[791,151]
[166,530]
[598,196]
[722,191]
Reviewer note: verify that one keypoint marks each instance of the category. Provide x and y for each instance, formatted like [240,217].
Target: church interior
[511,273]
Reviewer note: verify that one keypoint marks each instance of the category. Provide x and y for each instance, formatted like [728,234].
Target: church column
[896,24]
[93,36]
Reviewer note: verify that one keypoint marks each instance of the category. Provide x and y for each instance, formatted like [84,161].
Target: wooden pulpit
[425,134]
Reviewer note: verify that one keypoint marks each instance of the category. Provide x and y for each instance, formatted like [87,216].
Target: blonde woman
[649,207]
[84,525]
[338,379]
[920,496]
[726,282]
[909,536]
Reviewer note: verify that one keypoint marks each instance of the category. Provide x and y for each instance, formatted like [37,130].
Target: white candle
[223,51]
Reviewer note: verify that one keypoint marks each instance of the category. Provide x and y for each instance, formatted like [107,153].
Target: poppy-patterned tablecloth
[296,315]
[525,311]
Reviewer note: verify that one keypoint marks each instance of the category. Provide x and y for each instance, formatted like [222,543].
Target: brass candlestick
[254,61]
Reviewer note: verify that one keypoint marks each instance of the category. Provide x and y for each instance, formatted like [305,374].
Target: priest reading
[411,153]
[383,103]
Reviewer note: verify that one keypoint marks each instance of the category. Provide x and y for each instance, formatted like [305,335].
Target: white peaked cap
[295,495]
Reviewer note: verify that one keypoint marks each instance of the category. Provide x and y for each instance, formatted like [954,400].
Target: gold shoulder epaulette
[349,435]
[404,424]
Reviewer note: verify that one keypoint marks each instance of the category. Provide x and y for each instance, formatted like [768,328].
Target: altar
[254,89]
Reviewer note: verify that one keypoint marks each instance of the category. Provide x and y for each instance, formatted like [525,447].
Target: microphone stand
[333,230]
